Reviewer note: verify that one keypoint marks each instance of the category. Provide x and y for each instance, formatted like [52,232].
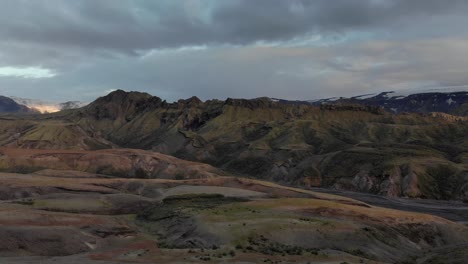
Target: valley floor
[456,211]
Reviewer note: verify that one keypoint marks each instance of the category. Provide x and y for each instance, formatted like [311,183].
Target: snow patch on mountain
[331,99]
[364,96]
[399,94]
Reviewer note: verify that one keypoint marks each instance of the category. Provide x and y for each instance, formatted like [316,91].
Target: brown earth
[59,211]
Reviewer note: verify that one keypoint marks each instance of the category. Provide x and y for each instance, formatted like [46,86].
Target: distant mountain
[7,105]
[446,101]
[453,103]
[71,105]
[47,107]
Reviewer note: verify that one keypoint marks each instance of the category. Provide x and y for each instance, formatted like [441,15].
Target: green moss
[441,182]
[40,203]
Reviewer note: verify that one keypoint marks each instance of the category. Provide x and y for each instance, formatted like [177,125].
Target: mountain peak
[121,95]
[120,104]
[192,101]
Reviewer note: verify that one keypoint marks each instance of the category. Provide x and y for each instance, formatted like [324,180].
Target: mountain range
[451,101]
[343,145]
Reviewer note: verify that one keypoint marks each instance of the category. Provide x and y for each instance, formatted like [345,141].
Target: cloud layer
[294,49]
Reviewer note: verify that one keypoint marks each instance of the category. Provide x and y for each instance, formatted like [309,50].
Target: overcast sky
[293,49]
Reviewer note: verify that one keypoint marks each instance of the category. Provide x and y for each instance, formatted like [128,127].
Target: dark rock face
[7,105]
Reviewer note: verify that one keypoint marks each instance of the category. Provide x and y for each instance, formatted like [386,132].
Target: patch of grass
[200,201]
[25,201]
[316,220]
[382,235]
[359,253]
[179,213]
[40,203]
[131,217]
[263,245]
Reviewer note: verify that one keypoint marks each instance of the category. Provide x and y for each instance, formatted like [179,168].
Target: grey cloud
[248,72]
[95,46]
[129,26]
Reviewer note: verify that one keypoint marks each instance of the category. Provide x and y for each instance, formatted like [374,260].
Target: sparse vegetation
[135,213]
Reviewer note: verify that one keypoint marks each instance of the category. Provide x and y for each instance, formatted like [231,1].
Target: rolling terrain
[70,210]
[345,147]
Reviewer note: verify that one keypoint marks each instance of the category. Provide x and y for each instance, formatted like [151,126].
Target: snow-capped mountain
[47,107]
[452,100]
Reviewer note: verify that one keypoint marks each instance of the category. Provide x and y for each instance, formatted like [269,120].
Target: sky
[62,50]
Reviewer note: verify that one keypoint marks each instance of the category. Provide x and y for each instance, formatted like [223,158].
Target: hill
[133,206]
[345,147]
